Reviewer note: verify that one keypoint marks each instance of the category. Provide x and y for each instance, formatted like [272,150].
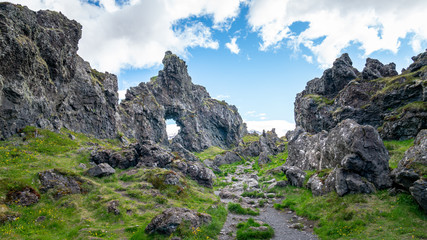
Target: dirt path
[284,223]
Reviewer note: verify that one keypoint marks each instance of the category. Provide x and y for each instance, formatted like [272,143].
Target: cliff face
[43,82]
[204,121]
[378,96]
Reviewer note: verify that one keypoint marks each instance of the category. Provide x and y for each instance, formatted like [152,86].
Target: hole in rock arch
[172,128]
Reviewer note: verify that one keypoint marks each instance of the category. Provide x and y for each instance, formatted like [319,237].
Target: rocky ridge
[204,121]
[44,83]
[394,104]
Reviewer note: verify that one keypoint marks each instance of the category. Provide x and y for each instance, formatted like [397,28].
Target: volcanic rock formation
[204,121]
[355,152]
[393,104]
[43,82]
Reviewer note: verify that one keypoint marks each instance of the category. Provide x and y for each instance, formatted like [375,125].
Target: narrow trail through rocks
[284,222]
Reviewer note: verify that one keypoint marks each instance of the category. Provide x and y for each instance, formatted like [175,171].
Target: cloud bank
[281,126]
[137,33]
[336,24]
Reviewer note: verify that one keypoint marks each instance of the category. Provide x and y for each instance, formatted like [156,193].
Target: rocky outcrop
[44,83]
[393,104]
[356,152]
[419,192]
[412,169]
[101,170]
[149,154]
[61,183]
[170,219]
[295,176]
[203,121]
[269,144]
[413,164]
[24,197]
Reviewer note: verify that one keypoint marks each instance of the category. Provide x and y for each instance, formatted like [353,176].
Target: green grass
[83,216]
[209,153]
[276,161]
[245,232]
[238,209]
[359,216]
[248,138]
[253,194]
[396,150]
[320,100]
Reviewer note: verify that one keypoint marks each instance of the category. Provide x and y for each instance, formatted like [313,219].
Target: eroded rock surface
[149,154]
[204,121]
[170,219]
[61,183]
[393,104]
[44,83]
[25,197]
[355,151]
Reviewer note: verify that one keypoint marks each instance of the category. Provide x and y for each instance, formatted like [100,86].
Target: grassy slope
[84,216]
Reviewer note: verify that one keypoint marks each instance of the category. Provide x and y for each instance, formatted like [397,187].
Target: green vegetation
[252,137]
[141,193]
[253,194]
[209,153]
[396,150]
[359,216]
[251,230]
[396,82]
[229,168]
[238,209]
[276,161]
[320,100]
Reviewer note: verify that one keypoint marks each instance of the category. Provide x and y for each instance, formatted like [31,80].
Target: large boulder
[393,104]
[419,192]
[356,151]
[227,158]
[203,121]
[44,82]
[61,183]
[295,176]
[169,220]
[101,170]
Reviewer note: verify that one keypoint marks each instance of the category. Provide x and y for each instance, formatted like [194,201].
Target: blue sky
[255,54]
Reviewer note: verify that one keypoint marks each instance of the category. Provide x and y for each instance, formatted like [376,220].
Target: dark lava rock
[419,192]
[61,183]
[356,151]
[268,142]
[204,121]
[393,104]
[170,219]
[44,83]
[295,176]
[227,158]
[149,154]
[101,170]
[113,207]
[375,69]
[413,163]
[263,158]
[25,197]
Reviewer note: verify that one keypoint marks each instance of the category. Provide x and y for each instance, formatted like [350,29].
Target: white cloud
[307,58]
[232,46]
[222,97]
[122,94]
[261,116]
[375,25]
[281,126]
[138,33]
[172,130]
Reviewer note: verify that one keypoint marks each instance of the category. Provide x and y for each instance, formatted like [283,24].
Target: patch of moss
[320,100]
